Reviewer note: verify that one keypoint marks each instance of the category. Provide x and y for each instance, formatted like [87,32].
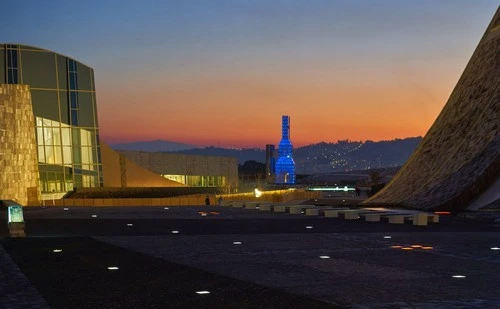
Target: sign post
[16,221]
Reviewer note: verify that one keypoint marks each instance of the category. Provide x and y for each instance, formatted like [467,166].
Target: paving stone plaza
[236,252]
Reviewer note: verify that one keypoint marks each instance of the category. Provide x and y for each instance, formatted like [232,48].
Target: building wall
[121,172]
[459,158]
[64,105]
[181,164]
[18,158]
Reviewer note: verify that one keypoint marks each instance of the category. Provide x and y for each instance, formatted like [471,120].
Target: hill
[152,146]
[342,156]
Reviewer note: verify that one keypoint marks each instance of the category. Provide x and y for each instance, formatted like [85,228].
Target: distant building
[175,168]
[285,166]
[270,163]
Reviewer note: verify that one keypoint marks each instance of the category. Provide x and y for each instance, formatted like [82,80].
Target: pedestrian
[207,201]
[220,200]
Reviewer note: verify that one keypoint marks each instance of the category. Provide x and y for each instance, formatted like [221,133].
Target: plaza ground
[245,259]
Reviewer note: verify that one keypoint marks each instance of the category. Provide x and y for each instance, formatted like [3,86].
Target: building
[270,163]
[285,166]
[61,93]
[127,168]
[49,136]
[457,164]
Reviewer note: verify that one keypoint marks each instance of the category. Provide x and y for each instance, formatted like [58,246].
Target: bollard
[16,221]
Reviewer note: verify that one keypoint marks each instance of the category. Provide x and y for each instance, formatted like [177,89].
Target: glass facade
[285,166]
[64,105]
[198,181]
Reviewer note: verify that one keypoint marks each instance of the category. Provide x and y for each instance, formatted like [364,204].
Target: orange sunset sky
[223,72]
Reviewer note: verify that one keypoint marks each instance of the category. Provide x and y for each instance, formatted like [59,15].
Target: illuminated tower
[285,167]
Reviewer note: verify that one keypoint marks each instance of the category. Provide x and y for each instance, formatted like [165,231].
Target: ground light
[387,237]
[57,250]
[237,242]
[65,208]
[175,232]
[94,216]
[129,224]
[495,248]
[309,227]
[324,256]
[165,207]
[113,268]
[458,276]
[202,292]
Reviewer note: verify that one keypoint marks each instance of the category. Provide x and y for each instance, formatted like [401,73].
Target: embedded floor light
[202,292]
[458,276]
[175,232]
[309,227]
[237,242]
[165,207]
[324,256]
[57,250]
[130,224]
[495,248]
[65,208]
[387,237]
[113,268]
[94,216]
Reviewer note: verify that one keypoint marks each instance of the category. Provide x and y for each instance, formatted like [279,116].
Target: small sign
[15,214]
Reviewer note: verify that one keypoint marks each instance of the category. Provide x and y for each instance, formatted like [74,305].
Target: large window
[73,95]
[56,145]
[12,65]
[198,181]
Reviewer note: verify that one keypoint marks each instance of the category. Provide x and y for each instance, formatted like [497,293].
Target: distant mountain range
[153,146]
[323,157]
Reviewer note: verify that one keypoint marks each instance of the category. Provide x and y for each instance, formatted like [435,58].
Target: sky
[222,73]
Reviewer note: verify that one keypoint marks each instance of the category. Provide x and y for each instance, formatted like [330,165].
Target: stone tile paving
[145,212]
[362,269]
[16,292]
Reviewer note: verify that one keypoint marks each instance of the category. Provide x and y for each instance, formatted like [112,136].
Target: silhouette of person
[207,201]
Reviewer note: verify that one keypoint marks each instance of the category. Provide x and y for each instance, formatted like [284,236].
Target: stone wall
[459,157]
[19,177]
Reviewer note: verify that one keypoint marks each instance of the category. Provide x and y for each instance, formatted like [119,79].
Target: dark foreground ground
[245,259]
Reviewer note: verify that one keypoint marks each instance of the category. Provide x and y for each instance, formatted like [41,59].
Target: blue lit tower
[285,167]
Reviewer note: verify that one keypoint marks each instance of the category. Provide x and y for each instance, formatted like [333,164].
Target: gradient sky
[210,72]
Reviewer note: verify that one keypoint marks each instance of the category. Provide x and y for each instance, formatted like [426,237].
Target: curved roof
[30,47]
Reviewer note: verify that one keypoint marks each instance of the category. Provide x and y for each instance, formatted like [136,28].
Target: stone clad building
[18,159]
[49,135]
[63,126]
[457,164]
